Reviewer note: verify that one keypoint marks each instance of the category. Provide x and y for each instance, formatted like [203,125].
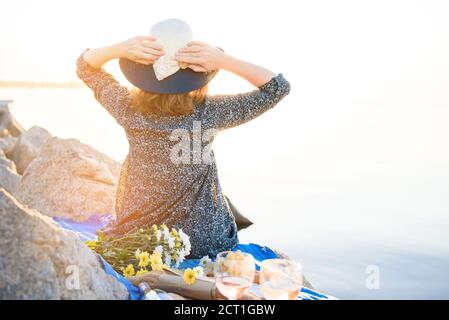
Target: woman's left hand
[200,57]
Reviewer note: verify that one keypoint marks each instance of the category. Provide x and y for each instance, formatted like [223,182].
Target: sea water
[357,192]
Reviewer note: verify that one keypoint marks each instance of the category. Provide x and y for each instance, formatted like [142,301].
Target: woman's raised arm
[142,49]
[111,95]
[225,111]
[202,57]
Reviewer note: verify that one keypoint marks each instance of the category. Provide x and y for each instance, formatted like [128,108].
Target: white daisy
[137,253]
[207,264]
[171,242]
[159,249]
[199,271]
[185,240]
[181,257]
[167,259]
[184,237]
[166,234]
[205,260]
[187,248]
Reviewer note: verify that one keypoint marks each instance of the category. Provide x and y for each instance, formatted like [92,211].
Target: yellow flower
[154,228]
[129,271]
[189,276]
[101,236]
[157,266]
[91,244]
[141,271]
[156,258]
[144,259]
[174,232]
[156,261]
[164,226]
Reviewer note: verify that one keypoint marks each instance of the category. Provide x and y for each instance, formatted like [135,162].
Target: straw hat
[165,75]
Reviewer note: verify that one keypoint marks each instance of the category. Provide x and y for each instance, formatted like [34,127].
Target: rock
[8,125]
[7,145]
[7,162]
[28,147]
[40,260]
[4,133]
[70,179]
[9,179]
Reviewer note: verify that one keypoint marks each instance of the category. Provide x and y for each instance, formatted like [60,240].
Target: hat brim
[184,80]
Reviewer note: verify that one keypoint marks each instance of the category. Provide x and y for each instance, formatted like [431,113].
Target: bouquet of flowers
[143,250]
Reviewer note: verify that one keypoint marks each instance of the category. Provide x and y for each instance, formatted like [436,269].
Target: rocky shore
[42,176]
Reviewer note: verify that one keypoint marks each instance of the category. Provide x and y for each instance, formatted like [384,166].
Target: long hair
[167,104]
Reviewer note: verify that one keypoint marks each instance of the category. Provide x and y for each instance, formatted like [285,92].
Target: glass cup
[234,273]
[280,279]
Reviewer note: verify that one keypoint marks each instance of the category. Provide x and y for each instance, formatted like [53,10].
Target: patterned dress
[155,187]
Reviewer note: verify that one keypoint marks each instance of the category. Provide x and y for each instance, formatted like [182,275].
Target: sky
[355,45]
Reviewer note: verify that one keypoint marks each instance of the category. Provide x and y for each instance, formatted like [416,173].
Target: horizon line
[40,84]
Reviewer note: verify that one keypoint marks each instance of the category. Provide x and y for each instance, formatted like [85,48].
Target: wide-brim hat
[164,76]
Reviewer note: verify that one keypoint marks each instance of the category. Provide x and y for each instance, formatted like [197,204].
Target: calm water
[341,186]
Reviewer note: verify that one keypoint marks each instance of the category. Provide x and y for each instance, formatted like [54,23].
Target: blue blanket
[87,231]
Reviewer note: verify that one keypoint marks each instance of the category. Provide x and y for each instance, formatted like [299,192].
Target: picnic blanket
[87,231]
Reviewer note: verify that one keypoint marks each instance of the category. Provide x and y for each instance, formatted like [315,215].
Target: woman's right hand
[141,49]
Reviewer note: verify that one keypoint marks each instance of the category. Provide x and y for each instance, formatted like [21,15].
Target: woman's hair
[167,104]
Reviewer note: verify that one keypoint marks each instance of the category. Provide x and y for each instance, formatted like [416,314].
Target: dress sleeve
[108,92]
[226,111]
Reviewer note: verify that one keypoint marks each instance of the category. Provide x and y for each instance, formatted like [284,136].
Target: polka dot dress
[154,187]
